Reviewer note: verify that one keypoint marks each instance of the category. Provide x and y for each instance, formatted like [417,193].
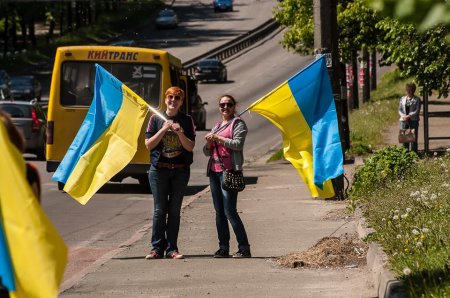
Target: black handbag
[231,180]
[407,135]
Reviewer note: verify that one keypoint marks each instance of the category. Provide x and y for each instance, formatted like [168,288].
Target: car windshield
[166,13]
[20,81]
[77,81]
[208,63]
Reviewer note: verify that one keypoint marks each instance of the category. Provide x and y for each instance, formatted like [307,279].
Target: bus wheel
[143,181]
[60,185]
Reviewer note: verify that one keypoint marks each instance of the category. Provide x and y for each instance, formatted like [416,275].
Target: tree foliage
[424,14]
[297,16]
[425,56]
[356,28]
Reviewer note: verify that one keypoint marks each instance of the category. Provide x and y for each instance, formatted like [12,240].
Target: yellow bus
[147,72]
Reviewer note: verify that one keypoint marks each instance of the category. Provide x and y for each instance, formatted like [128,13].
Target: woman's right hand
[167,125]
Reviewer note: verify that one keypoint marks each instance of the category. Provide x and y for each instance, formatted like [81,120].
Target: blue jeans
[225,206]
[168,188]
[411,124]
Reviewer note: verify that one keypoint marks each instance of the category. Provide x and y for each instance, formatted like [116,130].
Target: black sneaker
[222,253]
[242,254]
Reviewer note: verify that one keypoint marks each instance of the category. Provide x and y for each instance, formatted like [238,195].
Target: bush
[388,164]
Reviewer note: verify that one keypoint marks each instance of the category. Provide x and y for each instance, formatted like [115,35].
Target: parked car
[5,85]
[210,69]
[25,87]
[31,119]
[167,18]
[223,5]
[124,43]
[198,112]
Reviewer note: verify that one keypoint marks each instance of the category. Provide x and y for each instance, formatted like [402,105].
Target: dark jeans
[225,206]
[411,124]
[168,188]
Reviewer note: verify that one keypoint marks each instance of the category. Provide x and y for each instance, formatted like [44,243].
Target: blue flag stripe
[101,114]
[6,269]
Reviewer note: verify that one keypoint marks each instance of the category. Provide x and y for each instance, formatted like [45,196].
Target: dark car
[26,88]
[198,112]
[167,18]
[223,5]
[31,120]
[124,43]
[5,85]
[210,69]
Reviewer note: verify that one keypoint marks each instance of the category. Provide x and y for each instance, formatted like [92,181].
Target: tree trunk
[14,33]
[31,31]
[355,91]
[61,21]
[23,29]
[365,76]
[69,16]
[5,33]
[373,70]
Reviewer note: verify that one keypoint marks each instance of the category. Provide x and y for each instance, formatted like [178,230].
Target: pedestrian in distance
[224,146]
[16,137]
[409,109]
[170,143]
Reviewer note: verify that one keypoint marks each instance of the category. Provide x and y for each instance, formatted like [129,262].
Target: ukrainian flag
[107,139]
[304,111]
[33,256]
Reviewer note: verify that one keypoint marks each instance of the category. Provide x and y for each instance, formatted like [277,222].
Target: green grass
[368,123]
[410,217]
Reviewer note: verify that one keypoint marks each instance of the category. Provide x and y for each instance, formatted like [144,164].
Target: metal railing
[234,46]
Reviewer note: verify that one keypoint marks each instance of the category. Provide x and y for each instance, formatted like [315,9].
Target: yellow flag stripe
[38,253]
[113,150]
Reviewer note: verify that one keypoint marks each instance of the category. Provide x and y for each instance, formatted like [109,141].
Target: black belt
[170,166]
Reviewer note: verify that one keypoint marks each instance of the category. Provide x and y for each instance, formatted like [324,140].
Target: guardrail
[234,46]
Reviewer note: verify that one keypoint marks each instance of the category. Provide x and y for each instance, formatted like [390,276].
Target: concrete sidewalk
[280,218]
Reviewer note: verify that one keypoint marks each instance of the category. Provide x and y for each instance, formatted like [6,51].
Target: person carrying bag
[409,111]
[224,145]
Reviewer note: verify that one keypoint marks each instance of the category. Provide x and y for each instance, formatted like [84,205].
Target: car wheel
[40,153]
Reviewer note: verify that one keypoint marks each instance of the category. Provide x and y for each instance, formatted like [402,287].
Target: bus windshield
[77,81]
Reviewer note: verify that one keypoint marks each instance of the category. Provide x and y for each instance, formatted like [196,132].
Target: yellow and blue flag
[107,139]
[37,254]
[304,111]
[6,271]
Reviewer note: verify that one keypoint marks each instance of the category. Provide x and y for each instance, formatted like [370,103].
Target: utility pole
[326,42]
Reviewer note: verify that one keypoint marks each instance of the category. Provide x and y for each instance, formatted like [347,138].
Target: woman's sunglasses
[176,97]
[226,105]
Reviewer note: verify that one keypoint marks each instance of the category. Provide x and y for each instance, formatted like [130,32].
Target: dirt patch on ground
[345,251]
[338,214]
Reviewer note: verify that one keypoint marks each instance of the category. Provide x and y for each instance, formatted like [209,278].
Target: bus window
[77,88]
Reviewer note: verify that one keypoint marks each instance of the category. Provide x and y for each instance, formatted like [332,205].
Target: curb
[384,280]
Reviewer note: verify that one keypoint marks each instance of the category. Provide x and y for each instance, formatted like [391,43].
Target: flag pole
[156,112]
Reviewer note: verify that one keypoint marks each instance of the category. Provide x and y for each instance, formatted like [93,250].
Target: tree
[297,16]
[424,14]
[425,56]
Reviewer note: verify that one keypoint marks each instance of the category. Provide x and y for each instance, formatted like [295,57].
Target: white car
[167,18]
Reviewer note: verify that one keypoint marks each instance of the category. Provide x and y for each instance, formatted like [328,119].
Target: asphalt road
[118,210]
